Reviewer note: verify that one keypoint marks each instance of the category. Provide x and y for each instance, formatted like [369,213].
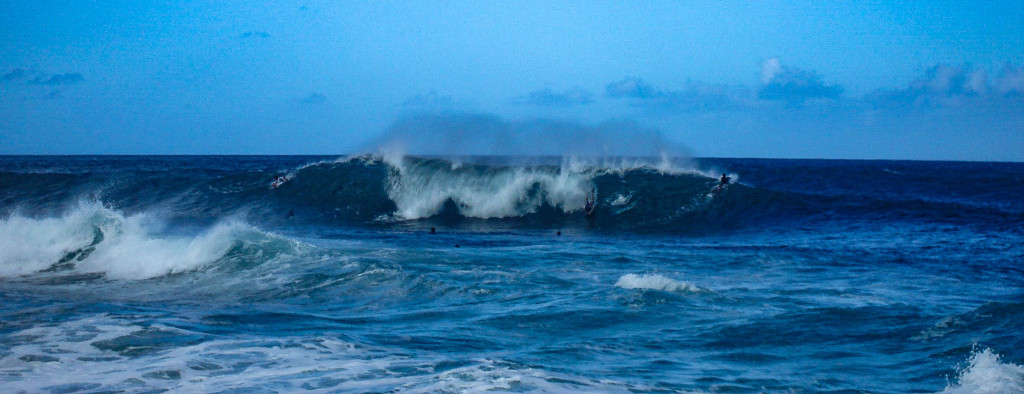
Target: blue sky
[922,80]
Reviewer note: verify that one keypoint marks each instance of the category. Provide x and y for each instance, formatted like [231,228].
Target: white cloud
[791,84]
[769,69]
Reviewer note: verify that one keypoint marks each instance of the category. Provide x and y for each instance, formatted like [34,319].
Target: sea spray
[92,238]
[421,188]
[986,373]
[32,245]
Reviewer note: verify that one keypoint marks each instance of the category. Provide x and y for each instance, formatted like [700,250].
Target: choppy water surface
[193,274]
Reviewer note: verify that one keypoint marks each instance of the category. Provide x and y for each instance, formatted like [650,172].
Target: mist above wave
[465,134]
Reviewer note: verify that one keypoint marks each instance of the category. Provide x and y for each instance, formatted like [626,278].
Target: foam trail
[66,357]
[985,373]
[654,282]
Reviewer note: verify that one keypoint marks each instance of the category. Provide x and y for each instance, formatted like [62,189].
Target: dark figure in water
[588,208]
[722,183]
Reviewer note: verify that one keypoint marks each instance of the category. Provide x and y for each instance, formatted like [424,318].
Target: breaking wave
[652,195]
[633,194]
[91,238]
[985,372]
[421,188]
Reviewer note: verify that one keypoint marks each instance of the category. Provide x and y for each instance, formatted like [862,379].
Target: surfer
[722,183]
[588,208]
[278,182]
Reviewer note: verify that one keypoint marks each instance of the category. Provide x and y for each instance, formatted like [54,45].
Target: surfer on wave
[278,182]
[722,183]
[588,208]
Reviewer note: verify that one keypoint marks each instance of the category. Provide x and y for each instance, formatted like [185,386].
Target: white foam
[621,200]
[420,189]
[986,373]
[654,282]
[139,252]
[321,363]
[132,247]
[32,245]
[619,165]
[491,376]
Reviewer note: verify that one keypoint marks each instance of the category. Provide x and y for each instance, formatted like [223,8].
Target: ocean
[391,273]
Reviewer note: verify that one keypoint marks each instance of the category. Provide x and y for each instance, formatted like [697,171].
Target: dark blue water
[194,274]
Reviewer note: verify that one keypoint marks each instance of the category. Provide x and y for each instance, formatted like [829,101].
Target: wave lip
[655,282]
[421,189]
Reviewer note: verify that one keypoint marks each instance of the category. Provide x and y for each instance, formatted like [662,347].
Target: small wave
[986,373]
[621,200]
[655,282]
[92,238]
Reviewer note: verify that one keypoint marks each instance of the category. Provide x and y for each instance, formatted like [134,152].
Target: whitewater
[395,273]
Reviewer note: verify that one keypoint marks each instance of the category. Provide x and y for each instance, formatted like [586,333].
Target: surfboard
[593,204]
[278,182]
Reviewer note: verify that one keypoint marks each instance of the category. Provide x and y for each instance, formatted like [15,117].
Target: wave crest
[986,373]
[92,238]
[421,189]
